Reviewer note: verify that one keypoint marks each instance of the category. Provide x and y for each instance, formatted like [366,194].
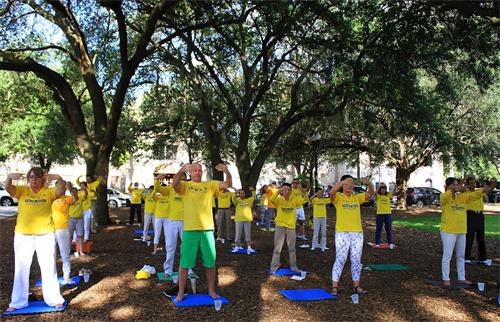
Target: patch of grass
[432,224]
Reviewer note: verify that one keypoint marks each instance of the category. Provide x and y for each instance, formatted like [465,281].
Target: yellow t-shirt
[285,214]
[270,191]
[476,204]
[87,203]
[299,195]
[149,202]
[175,205]
[243,208]
[453,211]
[76,209]
[384,204]
[136,197]
[60,211]
[224,199]
[348,211]
[197,197]
[161,207]
[263,200]
[319,206]
[34,210]
[91,188]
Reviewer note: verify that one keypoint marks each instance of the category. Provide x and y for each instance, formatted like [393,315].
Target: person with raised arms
[149,208]
[223,217]
[300,193]
[286,219]
[76,213]
[384,215]
[454,202]
[348,229]
[243,201]
[91,185]
[198,222]
[34,233]
[60,215]
[319,219]
[475,224]
[160,216]
[135,202]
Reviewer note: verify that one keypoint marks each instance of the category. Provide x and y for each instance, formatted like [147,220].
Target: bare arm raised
[229,179]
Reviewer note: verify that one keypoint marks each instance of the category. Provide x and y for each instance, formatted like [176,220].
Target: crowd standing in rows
[184,210]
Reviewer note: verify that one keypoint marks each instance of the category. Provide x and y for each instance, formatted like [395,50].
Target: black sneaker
[171,292]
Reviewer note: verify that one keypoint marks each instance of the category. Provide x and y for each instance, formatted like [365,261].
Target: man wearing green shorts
[198,222]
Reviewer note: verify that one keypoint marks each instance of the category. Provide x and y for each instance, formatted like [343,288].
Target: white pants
[87,224]
[174,230]
[319,225]
[450,242]
[64,243]
[345,242]
[24,247]
[243,226]
[159,223]
[75,227]
[301,215]
[148,219]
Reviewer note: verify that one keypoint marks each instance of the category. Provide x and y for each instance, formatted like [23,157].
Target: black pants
[475,229]
[135,209]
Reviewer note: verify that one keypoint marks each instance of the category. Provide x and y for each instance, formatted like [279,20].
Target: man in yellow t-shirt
[224,221]
[384,215]
[198,222]
[286,219]
[135,203]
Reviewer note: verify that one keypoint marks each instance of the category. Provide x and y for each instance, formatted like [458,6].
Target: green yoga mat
[386,267]
[161,276]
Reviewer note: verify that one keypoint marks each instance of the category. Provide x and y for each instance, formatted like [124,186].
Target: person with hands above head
[348,230]
[198,222]
[34,233]
[475,223]
[319,219]
[286,219]
[91,185]
[148,196]
[299,193]
[76,213]
[60,216]
[224,221]
[384,215]
[454,203]
[243,201]
[135,202]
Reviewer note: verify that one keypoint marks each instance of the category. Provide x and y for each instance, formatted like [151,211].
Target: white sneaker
[236,249]
[250,250]
[468,261]
[222,241]
[391,246]
[324,249]
[312,248]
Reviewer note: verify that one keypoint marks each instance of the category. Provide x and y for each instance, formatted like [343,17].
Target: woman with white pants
[34,232]
[454,203]
[149,208]
[348,230]
[243,217]
[86,195]
[76,218]
[319,219]
[60,213]
[161,220]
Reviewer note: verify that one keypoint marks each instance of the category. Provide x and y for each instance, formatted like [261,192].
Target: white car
[5,198]
[117,198]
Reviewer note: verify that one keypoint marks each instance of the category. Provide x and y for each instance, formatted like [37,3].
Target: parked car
[493,196]
[117,198]
[370,203]
[5,198]
[422,196]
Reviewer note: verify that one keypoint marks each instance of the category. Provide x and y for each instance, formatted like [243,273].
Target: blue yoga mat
[75,279]
[307,295]
[197,300]
[242,251]
[284,272]
[140,231]
[35,307]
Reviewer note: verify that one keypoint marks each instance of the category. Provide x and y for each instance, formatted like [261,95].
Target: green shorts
[191,241]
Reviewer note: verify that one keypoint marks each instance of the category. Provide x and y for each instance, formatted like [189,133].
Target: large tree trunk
[214,139]
[402,178]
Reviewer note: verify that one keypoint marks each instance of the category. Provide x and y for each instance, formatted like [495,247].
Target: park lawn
[432,224]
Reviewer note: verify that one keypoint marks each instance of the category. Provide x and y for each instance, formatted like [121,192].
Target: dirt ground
[114,294]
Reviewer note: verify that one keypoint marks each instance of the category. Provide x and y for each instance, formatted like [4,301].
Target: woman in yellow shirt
[319,219]
[286,220]
[34,233]
[348,230]
[76,217]
[60,215]
[243,217]
[454,202]
[149,208]
[384,215]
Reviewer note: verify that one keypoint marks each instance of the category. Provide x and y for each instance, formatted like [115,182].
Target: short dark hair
[286,184]
[449,181]
[469,179]
[318,189]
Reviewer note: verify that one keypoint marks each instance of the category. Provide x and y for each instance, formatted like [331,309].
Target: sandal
[359,290]
[335,291]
